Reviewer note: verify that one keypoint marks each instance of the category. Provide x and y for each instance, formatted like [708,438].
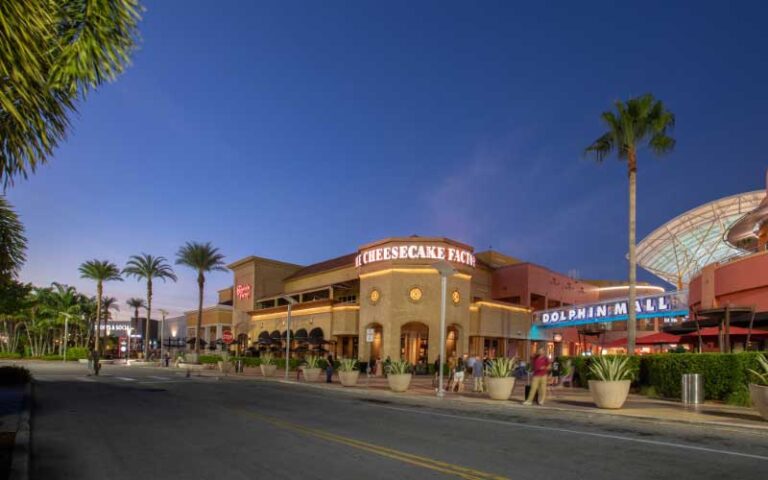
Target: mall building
[384,299]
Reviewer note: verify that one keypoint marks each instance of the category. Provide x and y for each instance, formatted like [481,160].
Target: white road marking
[126,379]
[577,432]
[159,378]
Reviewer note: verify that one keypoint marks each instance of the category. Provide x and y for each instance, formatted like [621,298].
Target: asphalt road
[154,424]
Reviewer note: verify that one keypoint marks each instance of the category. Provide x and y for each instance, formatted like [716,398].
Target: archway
[414,343]
[452,339]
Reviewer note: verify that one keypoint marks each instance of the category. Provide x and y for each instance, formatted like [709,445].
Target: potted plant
[399,375]
[311,368]
[612,378]
[498,378]
[348,372]
[267,364]
[758,391]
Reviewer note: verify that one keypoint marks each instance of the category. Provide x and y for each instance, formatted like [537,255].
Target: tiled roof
[332,264]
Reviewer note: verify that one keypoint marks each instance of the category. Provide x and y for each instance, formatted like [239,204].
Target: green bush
[77,353]
[10,355]
[581,366]
[209,359]
[247,361]
[293,365]
[13,375]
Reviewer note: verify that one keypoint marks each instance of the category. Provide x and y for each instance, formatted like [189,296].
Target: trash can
[693,389]
[239,366]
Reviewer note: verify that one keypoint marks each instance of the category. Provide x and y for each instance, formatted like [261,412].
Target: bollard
[692,389]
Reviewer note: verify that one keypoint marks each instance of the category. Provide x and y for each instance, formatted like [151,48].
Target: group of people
[458,367]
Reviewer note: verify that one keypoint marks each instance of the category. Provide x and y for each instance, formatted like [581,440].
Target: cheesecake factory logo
[415,252]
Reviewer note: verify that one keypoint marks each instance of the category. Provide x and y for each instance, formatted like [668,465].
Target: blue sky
[301,130]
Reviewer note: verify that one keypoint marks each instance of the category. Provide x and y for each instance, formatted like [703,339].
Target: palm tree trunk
[149,314]
[631,310]
[201,286]
[97,334]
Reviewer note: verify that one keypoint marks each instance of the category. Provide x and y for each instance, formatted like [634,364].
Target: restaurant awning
[659,338]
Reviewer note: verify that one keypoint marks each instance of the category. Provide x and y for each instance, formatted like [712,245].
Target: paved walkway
[559,398]
[11,406]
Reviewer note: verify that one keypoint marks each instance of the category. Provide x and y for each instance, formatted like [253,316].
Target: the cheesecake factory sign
[417,251]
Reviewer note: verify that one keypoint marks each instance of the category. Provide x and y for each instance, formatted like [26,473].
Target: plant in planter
[311,368]
[612,378]
[348,372]
[499,380]
[758,391]
[399,375]
[267,365]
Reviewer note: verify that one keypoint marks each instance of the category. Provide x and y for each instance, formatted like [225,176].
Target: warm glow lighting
[502,306]
[415,252]
[304,312]
[414,271]
[626,287]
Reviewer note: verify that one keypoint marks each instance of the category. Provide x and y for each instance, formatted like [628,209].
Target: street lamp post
[128,348]
[445,270]
[163,313]
[291,301]
[66,335]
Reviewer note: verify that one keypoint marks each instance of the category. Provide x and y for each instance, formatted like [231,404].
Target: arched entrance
[452,341]
[414,343]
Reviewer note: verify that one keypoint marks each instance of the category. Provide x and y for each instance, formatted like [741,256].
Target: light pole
[128,348]
[445,270]
[291,301]
[163,313]
[66,334]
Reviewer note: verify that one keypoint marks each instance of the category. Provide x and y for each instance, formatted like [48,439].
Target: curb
[464,401]
[22,450]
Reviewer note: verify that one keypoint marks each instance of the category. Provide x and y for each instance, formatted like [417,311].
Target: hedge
[725,375]
[10,355]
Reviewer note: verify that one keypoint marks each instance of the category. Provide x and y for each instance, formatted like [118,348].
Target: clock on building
[374,296]
[455,297]
[415,294]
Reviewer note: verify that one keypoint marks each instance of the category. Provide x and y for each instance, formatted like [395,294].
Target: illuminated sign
[243,291]
[652,306]
[415,252]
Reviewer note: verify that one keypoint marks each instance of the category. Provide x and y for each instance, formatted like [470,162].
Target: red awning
[713,332]
[659,338]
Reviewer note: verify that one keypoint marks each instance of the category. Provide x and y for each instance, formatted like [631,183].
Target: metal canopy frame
[681,247]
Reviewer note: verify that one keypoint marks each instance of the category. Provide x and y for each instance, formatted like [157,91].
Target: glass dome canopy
[678,249]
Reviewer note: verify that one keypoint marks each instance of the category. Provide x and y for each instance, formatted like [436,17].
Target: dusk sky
[301,130]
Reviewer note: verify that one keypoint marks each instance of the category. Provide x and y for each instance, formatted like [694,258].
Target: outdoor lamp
[445,269]
[291,301]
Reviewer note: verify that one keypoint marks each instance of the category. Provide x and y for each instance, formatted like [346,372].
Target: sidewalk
[576,400]
[12,408]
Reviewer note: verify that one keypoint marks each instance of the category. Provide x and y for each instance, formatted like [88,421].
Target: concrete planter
[759,396]
[349,379]
[268,370]
[609,394]
[400,382]
[499,388]
[311,374]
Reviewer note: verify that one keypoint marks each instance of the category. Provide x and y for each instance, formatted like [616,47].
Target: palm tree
[101,271]
[52,54]
[136,303]
[638,122]
[203,258]
[147,267]
[13,243]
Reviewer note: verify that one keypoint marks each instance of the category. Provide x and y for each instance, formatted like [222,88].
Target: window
[347,299]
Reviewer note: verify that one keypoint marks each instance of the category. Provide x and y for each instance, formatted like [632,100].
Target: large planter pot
[499,388]
[759,396]
[311,374]
[349,379]
[399,382]
[268,370]
[609,394]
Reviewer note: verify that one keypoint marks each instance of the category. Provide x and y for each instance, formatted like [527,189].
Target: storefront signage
[369,334]
[663,305]
[415,252]
[243,291]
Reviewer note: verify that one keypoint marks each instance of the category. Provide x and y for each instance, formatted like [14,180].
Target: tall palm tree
[51,55]
[13,243]
[203,258]
[101,271]
[136,303]
[638,122]
[148,267]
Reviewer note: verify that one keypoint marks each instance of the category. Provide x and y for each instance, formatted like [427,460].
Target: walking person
[555,372]
[458,375]
[541,368]
[477,374]
[329,370]
[436,378]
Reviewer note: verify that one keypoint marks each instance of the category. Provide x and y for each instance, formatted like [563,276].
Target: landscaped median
[726,376]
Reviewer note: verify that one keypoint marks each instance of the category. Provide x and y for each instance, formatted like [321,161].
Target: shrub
[292,365]
[247,361]
[10,355]
[399,367]
[739,398]
[581,367]
[348,365]
[13,375]
[209,359]
[761,376]
[267,359]
[500,367]
[77,353]
[312,361]
[611,369]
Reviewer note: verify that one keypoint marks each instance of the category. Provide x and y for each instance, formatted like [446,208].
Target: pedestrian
[329,370]
[167,359]
[436,378]
[541,368]
[378,367]
[477,374]
[555,372]
[451,373]
[458,375]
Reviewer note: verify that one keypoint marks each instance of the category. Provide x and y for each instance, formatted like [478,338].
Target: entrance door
[414,342]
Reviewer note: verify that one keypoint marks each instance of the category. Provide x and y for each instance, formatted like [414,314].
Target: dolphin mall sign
[663,305]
